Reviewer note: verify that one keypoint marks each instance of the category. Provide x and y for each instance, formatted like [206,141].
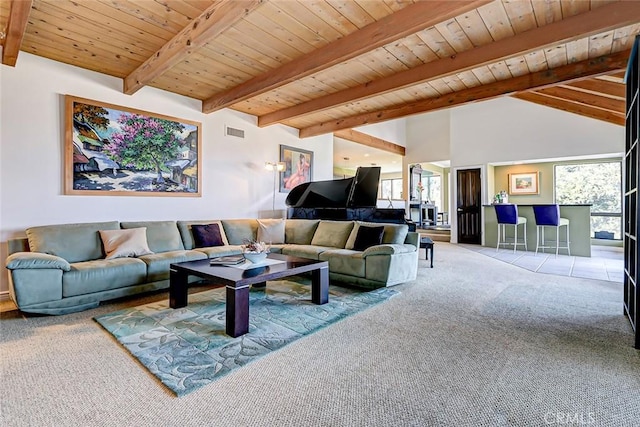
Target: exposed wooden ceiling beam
[16,26]
[213,21]
[579,26]
[587,98]
[370,141]
[407,21]
[579,70]
[572,107]
[614,90]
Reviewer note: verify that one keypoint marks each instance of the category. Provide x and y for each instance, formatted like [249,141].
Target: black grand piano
[343,199]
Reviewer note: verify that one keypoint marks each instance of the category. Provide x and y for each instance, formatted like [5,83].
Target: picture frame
[298,167]
[525,183]
[111,150]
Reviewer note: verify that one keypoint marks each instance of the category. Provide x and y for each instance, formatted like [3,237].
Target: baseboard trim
[4,296]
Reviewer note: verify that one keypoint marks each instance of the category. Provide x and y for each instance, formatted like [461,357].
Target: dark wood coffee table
[239,281]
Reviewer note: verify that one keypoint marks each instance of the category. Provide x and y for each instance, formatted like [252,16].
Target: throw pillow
[207,235]
[300,231]
[332,233]
[393,233]
[131,242]
[367,237]
[271,231]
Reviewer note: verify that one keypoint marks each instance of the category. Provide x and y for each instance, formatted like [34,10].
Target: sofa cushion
[344,261]
[367,237]
[276,249]
[238,231]
[163,236]
[73,242]
[271,230]
[187,233]
[300,231]
[305,251]
[207,235]
[125,243]
[101,275]
[217,251]
[332,233]
[158,263]
[393,233]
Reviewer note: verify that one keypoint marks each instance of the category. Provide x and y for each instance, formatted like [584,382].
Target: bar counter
[579,217]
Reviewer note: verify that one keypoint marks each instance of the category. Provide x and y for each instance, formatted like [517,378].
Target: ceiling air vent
[229,131]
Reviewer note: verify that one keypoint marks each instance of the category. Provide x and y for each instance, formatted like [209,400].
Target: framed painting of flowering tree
[118,151]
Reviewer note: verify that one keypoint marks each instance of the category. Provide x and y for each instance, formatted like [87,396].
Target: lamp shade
[274,166]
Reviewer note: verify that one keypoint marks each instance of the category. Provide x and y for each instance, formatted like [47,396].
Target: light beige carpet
[472,342]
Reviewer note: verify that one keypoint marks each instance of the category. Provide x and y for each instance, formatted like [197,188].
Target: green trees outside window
[599,184]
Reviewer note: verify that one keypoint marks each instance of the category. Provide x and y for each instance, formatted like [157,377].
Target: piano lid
[358,191]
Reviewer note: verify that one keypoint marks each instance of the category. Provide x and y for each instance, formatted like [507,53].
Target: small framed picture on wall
[524,183]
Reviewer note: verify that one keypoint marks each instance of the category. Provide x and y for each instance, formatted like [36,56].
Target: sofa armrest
[31,260]
[413,238]
[388,249]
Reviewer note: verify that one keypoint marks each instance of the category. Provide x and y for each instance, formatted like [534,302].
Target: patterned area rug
[187,348]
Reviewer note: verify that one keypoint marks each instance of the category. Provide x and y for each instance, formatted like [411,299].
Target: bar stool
[549,216]
[507,214]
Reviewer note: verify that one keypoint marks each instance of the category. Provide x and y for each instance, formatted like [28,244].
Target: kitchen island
[579,217]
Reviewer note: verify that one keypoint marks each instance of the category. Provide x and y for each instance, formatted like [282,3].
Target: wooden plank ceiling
[324,66]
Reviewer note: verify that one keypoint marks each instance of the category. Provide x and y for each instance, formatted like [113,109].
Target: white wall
[508,129]
[393,131]
[428,137]
[234,181]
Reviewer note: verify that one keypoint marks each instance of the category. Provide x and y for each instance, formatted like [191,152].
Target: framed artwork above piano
[298,167]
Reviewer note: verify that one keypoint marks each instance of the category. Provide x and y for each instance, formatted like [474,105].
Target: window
[391,188]
[599,184]
[432,189]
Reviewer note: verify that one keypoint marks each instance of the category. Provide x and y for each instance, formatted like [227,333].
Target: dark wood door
[469,206]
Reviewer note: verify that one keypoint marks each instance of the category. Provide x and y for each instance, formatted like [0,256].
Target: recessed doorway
[469,206]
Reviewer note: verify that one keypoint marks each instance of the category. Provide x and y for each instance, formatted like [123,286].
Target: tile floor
[605,263]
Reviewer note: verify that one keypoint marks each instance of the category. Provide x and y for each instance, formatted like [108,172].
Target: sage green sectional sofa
[60,269]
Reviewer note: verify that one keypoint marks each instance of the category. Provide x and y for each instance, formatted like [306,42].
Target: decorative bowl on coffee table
[255,257]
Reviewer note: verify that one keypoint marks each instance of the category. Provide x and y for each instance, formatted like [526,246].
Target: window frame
[392,188]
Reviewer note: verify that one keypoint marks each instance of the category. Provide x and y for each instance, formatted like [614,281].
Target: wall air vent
[229,131]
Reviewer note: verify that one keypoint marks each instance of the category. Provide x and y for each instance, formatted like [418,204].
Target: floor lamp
[276,167]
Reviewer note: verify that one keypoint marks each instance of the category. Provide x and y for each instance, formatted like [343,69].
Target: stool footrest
[542,243]
[427,244]
[502,236]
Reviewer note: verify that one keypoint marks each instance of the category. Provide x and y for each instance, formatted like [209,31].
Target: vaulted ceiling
[323,66]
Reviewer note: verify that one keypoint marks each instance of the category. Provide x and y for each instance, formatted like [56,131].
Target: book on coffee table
[227,260]
[250,265]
